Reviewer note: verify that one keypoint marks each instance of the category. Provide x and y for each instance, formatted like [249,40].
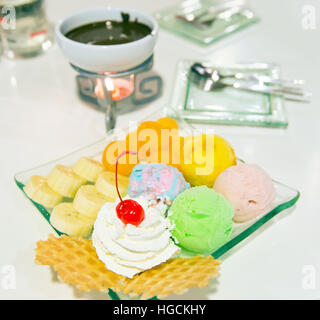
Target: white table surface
[42,118]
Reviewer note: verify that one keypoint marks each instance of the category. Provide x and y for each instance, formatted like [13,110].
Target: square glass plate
[204,36]
[286,196]
[228,105]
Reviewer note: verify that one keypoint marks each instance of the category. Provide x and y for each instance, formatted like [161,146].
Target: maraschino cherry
[128,211]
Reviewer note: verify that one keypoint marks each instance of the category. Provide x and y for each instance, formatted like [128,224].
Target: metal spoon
[203,17]
[209,79]
[227,14]
[192,16]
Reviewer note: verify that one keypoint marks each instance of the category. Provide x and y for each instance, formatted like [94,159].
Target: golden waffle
[175,276]
[77,263]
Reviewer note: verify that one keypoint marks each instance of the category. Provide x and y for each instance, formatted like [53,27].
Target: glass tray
[286,196]
[228,105]
[203,36]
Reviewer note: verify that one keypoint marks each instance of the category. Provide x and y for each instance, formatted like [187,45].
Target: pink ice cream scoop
[249,189]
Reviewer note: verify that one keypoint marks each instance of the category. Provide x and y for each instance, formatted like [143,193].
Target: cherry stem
[117,160]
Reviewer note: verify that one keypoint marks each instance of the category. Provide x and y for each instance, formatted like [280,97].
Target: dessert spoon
[209,79]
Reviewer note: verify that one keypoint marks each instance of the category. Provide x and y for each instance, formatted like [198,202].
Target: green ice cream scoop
[202,219]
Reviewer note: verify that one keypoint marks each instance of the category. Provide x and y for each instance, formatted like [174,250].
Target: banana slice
[106,184]
[63,180]
[67,220]
[38,190]
[88,201]
[88,168]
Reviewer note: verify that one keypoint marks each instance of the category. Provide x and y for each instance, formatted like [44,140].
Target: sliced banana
[88,201]
[88,168]
[65,181]
[67,220]
[38,190]
[106,184]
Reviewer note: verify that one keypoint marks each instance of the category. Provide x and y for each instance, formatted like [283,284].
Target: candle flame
[109,84]
[119,88]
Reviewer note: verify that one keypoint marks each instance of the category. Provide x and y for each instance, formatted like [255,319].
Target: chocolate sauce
[109,32]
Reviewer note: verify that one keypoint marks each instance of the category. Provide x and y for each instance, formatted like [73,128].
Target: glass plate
[286,196]
[207,35]
[228,105]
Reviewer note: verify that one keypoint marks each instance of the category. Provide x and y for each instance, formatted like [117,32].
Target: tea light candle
[119,88]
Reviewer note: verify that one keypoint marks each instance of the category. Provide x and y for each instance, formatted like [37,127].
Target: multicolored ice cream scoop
[158,179]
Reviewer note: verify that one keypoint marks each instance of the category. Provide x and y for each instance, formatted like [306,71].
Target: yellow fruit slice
[88,201]
[88,169]
[106,184]
[204,158]
[38,190]
[67,220]
[65,181]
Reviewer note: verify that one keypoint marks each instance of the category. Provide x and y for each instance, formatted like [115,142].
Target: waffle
[77,264]
[175,276]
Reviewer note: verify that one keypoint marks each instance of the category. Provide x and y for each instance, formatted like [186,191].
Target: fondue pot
[106,58]
[114,77]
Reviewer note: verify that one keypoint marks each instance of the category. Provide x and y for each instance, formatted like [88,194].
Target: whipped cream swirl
[127,249]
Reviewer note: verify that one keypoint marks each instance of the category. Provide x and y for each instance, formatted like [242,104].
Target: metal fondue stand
[108,103]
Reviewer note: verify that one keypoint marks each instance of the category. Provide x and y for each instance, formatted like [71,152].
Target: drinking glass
[24,27]
[1,46]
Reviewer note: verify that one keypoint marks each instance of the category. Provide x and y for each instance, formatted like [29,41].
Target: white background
[41,118]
